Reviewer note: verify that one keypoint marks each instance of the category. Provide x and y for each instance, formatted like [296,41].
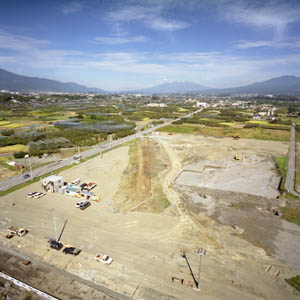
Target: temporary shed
[53,183]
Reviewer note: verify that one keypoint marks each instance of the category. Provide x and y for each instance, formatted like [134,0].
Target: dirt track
[146,247]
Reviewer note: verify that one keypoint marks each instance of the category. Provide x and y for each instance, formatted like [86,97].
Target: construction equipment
[17,230]
[238,157]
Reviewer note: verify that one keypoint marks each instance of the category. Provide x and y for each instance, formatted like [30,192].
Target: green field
[281,163]
[295,282]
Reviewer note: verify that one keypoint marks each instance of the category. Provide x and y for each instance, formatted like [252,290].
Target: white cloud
[214,69]
[151,16]
[18,42]
[275,17]
[217,69]
[7,59]
[71,8]
[166,25]
[116,40]
[272,44]
[131,13]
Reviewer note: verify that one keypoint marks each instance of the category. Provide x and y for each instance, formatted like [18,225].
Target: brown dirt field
[146,247]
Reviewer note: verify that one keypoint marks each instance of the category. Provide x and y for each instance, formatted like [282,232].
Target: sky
[132,44]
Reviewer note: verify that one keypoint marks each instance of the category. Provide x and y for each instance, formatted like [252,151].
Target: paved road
[291,172]
[16,180]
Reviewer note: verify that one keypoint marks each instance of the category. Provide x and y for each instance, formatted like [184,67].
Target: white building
[156,105]
[202,104]
[53,183]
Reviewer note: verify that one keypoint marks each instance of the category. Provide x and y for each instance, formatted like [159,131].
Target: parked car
[55,244]
[85,205]
[83,186]
[78,204]
[104,259]
[71,250]
[31,194]
[39,195]
[76,181]
[90,186]
[26,176]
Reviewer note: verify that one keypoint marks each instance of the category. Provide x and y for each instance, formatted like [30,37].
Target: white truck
[104,258]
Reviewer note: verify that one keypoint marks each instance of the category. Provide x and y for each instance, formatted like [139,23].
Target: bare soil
[147,247]
[49,281]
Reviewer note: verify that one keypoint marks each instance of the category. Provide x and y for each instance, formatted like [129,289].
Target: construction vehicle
[17,231]
[237,156]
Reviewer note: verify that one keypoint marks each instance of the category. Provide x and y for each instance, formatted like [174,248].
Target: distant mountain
[279,85]
[13,82]
[172,88]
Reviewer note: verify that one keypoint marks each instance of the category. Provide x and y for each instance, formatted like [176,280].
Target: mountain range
[17,83]
[174,87]
[279,85]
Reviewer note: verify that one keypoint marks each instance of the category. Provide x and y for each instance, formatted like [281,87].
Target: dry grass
[229,131]
[141,188]
[3,123]
[13,149]
[14,125]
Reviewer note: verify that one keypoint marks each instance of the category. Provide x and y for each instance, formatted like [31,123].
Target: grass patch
[3,123]
[297,179]
[294,282]
[164,202]
[291,214]
[257,122]
[281,163]
[14,148]
[5,165]
[14,125]
[227,123]
[180,128]
[181,109]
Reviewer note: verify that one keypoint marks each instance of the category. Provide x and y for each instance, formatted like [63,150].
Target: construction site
[161,204]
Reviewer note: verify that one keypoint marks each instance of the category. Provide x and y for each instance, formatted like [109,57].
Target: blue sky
[129,44]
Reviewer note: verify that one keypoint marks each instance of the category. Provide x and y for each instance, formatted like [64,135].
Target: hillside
[13,82]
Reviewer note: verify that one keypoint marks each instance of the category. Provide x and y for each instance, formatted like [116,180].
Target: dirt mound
[141,188]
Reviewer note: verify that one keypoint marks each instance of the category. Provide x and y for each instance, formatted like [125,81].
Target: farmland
[235,122]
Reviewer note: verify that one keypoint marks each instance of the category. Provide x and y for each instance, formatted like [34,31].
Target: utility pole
[27,156]
[55,229]
[202,252]
[79,153]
